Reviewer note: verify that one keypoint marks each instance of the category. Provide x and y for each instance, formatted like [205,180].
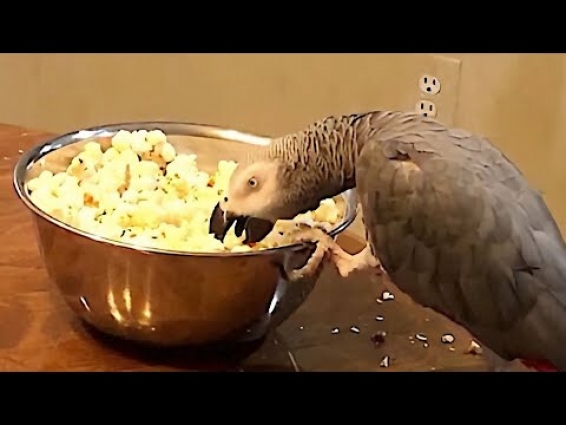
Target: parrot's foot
[347,263]
[307,224]
[328,247]
[324,245]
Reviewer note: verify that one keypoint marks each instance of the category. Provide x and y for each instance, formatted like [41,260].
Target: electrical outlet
[429,84]
[446,71]
[426,108]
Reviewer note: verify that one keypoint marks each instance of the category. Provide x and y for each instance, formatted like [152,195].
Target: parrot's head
[259,193]
[251,188]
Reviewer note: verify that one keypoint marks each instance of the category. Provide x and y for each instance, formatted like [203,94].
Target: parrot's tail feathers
[544,328]
[545,325]
[540,365]
[495,362]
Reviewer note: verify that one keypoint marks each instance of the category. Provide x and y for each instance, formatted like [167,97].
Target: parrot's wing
[461,232]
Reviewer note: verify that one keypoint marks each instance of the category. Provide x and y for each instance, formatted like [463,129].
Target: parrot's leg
[347,263]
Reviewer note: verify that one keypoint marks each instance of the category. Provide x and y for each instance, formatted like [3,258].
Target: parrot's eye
[252,182]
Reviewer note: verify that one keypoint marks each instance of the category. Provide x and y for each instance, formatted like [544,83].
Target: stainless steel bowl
[159,296]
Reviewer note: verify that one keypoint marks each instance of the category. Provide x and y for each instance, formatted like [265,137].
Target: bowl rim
[175,128]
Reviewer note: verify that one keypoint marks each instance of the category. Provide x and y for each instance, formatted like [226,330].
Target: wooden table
[38,332]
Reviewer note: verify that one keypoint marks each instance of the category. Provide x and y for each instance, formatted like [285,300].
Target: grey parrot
[448,217]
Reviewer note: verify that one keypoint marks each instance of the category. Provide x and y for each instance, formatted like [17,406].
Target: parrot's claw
[307,224]
[324,245]
[315,235]
[328,247]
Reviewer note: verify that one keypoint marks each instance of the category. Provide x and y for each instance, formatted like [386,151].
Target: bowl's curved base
[255,331]
[287,298]
[219,356]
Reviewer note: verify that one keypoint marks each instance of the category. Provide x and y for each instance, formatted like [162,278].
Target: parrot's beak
[221,221]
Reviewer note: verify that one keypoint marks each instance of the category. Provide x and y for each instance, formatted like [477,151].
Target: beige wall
[517,100]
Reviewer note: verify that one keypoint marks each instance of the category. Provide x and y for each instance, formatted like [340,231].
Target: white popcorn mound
[141,191]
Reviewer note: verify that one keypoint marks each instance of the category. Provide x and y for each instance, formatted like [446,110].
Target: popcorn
[141,191]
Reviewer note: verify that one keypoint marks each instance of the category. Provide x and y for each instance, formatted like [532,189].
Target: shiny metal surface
[159,296]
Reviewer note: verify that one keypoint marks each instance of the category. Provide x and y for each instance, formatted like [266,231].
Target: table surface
[39,333]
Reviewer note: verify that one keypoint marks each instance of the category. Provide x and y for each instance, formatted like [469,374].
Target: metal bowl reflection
[167,297]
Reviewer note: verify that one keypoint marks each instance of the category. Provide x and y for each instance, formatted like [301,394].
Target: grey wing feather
[457,227]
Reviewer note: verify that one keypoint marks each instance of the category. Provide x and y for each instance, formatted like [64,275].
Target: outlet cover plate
[447,70]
